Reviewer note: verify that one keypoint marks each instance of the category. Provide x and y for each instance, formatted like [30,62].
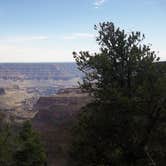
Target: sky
[50,30]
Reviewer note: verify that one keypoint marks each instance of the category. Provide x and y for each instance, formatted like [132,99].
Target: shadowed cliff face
[2,91]
[54,120]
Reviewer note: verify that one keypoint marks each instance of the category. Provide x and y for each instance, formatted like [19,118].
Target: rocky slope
[2,91]
[54,121]
[21,84]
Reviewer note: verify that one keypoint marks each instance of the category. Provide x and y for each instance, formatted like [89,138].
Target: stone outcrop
[2,91]
[54,121]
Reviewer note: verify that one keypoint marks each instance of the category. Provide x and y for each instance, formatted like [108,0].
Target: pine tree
[30,151]
[125,124]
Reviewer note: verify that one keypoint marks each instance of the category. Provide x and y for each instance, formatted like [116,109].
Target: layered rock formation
[54,120]
[39,71]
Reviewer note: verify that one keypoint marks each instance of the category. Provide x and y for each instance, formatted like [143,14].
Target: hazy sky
[50,30]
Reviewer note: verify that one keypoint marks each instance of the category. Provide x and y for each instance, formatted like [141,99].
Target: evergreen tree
[6,148]
[30,151]
[125,124]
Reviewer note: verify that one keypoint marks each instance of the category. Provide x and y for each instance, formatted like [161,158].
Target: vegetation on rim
[22,147]
[125,125]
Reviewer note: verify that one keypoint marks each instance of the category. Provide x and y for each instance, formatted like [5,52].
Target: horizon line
[42,62]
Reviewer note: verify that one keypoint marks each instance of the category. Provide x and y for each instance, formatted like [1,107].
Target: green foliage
[6,150]
[125,125]
[22,148]
[30,151]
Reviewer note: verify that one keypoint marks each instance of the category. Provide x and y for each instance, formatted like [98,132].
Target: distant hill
[38,71]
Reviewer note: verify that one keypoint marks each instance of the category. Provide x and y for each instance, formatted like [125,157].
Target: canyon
[47,94]
[22,84]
